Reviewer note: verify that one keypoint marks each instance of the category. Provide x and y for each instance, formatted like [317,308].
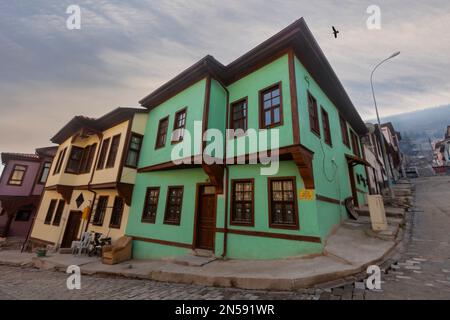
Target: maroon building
[21,185]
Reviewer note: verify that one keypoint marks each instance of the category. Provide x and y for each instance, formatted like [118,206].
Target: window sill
[148,221]
[284,226]
[242,224]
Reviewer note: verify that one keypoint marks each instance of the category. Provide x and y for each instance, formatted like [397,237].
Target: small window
[51,209]
[23,215]
[113,151]
[17,175]
[60,161]
[59,213]
[103,152]
[326,127]
[173,205]
[270,107]
[161,135]
[179,126]
[117,212]
[100,211]
[150,205]
[44,173]
[313,114]
[134,149]
[283,204]
[344,131]
[73,164]
[238,118]
[242,202]
[355,144]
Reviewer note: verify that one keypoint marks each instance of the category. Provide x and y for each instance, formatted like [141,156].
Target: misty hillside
[431,122]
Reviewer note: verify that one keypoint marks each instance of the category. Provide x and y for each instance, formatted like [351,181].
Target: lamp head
[394,54]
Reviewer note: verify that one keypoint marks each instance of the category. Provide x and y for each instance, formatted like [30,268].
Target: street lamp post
[383,148]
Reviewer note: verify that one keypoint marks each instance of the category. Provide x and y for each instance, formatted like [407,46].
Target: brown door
[206,218]
[72,229]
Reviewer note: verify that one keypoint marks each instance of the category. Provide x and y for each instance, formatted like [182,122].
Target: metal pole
[383,148]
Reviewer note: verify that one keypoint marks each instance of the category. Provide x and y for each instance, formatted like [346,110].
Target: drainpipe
[90,182]
[225,222]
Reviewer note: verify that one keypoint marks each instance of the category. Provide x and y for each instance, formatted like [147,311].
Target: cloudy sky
[125,50]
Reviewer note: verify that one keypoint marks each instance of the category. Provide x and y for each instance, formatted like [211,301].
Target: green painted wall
[331,174]
[248,247]
[250,85]
[158,230]
[193,98]
[217,116]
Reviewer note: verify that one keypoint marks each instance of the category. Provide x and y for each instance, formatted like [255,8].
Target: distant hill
[421,124]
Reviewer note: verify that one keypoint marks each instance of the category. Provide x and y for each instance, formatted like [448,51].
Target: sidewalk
[348,251]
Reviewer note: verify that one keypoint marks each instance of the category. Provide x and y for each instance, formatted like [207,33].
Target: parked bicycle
[97,242]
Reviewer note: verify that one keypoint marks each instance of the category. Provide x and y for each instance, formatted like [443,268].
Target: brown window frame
[101,213]
[355,144]
[88,158]
[344,131]
[294,226]
[177,126]
[137,151]
[166,211]
[103,153]
[50,211]
[59,162]
[43,169]
[313,111]
[58,213]
[326,127]
[145,217]
[24,171]
[234,182]
[113,151]
[69,163]
[158,143]
[244,117]
[262,111]
[116,210]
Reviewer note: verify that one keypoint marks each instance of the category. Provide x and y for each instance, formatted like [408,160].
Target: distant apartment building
[376,173]
[442,154]
[21,185]
[394,154]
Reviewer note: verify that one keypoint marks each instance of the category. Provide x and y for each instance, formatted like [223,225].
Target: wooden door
[206,218]
[72,229]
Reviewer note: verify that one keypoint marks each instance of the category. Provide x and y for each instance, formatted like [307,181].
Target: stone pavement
[348,251]
[419,268]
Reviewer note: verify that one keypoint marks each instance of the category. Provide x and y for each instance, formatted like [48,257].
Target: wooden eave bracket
[215,173]
[303,159]
[65,192]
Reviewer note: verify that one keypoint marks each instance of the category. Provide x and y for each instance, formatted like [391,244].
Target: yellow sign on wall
[306,194]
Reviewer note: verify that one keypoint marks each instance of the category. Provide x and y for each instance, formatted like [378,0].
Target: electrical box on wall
[377,212]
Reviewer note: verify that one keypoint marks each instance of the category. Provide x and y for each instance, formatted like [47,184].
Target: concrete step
[390,212]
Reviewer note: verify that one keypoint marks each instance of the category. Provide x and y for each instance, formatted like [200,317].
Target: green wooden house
[284,88]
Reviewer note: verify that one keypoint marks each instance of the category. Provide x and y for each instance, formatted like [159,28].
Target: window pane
[283,202]
[276,115]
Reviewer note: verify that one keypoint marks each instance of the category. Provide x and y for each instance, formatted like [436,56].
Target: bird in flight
[335,32]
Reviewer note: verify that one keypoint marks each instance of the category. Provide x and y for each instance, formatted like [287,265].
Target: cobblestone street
[420,268]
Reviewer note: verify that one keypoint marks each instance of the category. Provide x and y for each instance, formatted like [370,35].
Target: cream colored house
[93,173]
